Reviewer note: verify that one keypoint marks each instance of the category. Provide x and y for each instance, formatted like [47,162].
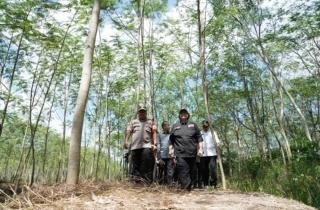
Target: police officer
[144,141]
[184,146]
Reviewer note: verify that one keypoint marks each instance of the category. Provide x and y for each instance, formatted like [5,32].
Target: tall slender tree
[202,68]
[77,123]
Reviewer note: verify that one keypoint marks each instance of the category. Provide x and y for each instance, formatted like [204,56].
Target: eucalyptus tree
[251,16]
[77,123]
[139,19]
[48,89]
[202,67]
[67,89]
[35,33]
[300,38]
[44,54]
[18,20]
[234,32]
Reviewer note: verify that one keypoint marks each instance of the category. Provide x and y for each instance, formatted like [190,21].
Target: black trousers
[208,168]
[166,172]
[197,182]
[185,168]
[142,161]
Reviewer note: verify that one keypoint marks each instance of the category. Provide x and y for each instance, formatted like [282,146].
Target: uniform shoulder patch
[191,125]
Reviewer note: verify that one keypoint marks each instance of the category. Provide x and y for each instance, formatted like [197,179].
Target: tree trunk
[84,160]
[205,88]
[141,38]
[141,71]
[7,161]
[46,138]
[226,143]
[65,110]
[279,116]
[265,58]
[61,158]
[109,149]
[239,149]
[16,176]
[24,158]
[5,62]
[151,73]
[252,111]
[93,137]
[99,152]
[4,112]
[280,146]
[279,82]
[34,129]
[77,123]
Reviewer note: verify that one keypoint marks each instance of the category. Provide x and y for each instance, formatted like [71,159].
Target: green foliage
[304,86]
[244,99]
[14,143]
[155,8]
[298,180]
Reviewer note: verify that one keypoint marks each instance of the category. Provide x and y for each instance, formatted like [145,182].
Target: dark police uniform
[185,138]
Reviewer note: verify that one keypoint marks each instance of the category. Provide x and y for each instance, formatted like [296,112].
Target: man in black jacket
[184,146]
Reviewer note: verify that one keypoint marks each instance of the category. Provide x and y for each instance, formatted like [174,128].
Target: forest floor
[130,196]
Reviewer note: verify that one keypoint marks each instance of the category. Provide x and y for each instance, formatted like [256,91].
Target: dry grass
[48,194]
[125,195]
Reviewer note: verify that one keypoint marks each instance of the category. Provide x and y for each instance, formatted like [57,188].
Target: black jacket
[184,138]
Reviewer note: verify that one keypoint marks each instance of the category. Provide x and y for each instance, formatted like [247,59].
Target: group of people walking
[180,153]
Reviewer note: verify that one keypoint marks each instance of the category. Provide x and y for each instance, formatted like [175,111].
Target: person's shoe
[214,185]
[188,187]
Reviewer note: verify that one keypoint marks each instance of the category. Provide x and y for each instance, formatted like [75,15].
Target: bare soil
[129,196]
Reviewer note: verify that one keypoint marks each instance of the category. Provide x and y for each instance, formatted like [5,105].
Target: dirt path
[120,196]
